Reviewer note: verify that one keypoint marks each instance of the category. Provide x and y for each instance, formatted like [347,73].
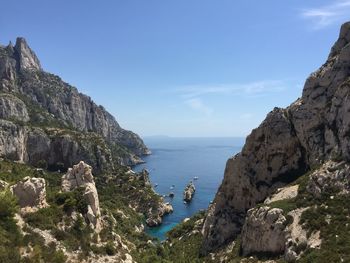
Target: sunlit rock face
[81,176]
[31,194]
[49,120]
[313,129]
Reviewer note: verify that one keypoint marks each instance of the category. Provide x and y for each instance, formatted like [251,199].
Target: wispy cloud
[249,89]
[327,15]
[198,105]
[194,95]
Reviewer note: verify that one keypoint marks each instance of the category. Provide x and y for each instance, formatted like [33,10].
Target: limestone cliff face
[313,129]
[32,100]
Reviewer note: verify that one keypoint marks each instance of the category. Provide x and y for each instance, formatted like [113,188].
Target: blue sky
[184,67]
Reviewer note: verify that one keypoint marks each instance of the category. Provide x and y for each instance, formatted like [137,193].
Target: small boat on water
[171,194]
[155,185]
[172,187]
[195,178]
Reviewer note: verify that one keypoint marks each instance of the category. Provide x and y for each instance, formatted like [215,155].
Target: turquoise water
[176,161]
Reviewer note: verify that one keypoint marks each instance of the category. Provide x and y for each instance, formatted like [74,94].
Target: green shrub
[42,164]
[110,249]
[45,218]
[8,204]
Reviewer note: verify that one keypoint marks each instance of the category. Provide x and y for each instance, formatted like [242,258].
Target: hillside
[67,193]
[44,119]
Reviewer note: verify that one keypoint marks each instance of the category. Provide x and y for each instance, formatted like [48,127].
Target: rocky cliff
[289,142]
[44,119]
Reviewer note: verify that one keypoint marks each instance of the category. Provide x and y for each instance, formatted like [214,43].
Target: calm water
[176,161]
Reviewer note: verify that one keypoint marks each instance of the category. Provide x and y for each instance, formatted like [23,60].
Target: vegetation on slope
[118,193]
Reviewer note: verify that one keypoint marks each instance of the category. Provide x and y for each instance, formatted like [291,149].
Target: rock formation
[264,231]
[43,118]
[26,57]
[267,231]
[80,176]
[155,219]
[189,192]
[313,129]
[31,194]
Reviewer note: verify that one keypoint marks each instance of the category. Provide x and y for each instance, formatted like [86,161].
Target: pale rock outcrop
[283,193]
[312,130]
[12,141]
[168,208]
[12,107]
[189,192]
[155,219]
[31,194]
[27,58]
[331,175]
[264,231]
[81,176]
[297,239]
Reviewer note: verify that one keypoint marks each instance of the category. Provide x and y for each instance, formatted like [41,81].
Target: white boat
[195,178]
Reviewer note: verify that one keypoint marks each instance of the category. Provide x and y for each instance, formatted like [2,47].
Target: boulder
[31,193]
[168,208]
[267,231]
[81,176]
[264,231]
[154,221]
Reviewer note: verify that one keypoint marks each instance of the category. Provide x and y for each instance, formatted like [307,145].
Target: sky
[185,68]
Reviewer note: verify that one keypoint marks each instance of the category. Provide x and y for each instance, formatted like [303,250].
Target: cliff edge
[288,143]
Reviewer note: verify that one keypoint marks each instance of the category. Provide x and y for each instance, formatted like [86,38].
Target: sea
[175,162]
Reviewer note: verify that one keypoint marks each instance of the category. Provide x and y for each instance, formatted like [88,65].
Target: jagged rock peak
[343,40]
[26,56]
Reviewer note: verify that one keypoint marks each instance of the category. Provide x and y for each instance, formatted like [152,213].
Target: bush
[110,249]
[45,218]
[42,164]
[10,236]
[73,200]
[8,204]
